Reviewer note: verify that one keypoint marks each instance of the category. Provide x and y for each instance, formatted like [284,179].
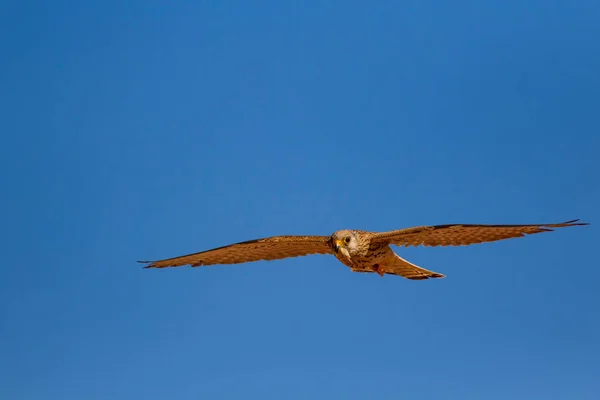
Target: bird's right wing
[271,248]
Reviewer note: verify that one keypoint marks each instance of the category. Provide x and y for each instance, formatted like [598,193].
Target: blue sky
[152,129]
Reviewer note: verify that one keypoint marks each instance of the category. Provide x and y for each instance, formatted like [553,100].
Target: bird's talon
[377,268]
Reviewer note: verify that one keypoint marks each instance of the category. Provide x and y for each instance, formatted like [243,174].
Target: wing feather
[462,235]
[271,248]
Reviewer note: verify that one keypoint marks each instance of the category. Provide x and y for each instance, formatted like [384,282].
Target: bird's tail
[396,265]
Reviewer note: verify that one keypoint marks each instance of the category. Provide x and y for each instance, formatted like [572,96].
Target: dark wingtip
[147,262]
[575,222]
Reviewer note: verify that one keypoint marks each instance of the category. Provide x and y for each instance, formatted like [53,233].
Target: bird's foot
[379,269]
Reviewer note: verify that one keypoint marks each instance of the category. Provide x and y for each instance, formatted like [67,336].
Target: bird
[362,251]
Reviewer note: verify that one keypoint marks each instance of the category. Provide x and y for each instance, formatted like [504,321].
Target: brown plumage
[360,250]
[271,248]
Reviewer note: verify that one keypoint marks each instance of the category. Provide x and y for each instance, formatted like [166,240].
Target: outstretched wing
[462,235]
[271,248]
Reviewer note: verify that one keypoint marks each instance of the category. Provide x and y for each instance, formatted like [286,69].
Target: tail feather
[399,266]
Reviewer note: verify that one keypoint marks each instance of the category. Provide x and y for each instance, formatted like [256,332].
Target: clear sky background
[146,129]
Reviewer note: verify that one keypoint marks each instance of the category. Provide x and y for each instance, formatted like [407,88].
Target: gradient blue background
[151,129]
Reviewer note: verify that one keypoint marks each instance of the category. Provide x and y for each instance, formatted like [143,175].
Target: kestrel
[362,251]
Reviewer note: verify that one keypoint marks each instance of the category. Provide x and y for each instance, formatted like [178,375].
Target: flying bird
[362,251]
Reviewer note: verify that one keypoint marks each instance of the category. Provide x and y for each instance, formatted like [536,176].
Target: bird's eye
[347,240]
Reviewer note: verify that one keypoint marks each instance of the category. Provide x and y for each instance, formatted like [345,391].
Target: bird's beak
[336,245]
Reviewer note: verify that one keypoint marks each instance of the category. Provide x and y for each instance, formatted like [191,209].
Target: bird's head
[345,242]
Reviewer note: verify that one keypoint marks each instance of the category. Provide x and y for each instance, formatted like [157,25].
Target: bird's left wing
[461,235]
[271,248]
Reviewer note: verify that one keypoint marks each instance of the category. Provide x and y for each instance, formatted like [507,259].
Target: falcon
[362,251]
